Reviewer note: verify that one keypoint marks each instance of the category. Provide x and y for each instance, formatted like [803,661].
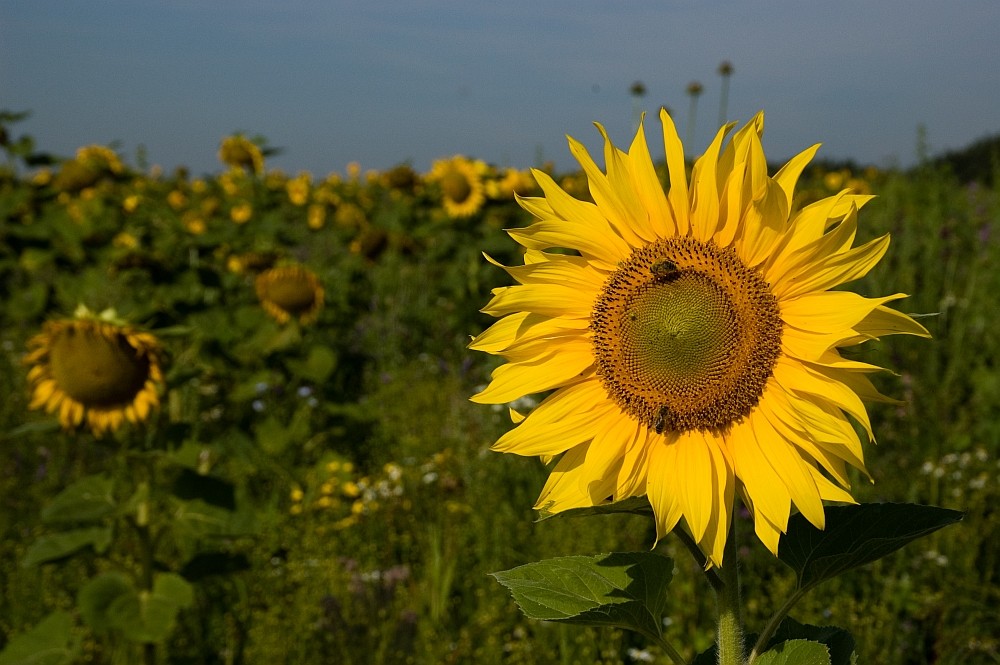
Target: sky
[380,83]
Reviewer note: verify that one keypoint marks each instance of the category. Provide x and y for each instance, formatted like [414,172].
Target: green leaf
[854,536]
[272,436]
[318,365]
[636,505]
[50,642]
[87,500]
[838,641]
[795,652]
[624,589]
[58,545]
[98,595]
[150,616]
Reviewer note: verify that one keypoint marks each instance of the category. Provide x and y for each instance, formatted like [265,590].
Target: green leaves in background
[83,504]
[54,546]
[317,366]
[111,602]
[623,589]
[854,536]
[87,500]
[50,642]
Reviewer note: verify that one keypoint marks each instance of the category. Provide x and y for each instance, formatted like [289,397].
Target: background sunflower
[94,372]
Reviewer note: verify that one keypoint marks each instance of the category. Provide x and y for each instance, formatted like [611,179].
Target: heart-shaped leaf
[623,589]
[838,641]
[795,652]
[856,535]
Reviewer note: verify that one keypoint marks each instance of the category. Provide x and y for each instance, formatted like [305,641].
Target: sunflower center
[291,293]
[685,335]
[97,369]
[456,187]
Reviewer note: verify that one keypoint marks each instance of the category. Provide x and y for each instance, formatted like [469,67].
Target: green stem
[713,577]
[772,625]
[730,623]
[668,648]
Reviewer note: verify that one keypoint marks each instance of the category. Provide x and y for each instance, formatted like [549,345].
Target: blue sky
[381,82]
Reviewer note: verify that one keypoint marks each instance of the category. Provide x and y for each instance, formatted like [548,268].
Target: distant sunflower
[290,291]
[461,183]
[237,151]
[692,340]
[94,371]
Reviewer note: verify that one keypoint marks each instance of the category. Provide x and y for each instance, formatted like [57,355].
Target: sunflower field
[236,424]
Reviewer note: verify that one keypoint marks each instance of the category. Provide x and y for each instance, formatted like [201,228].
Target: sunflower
[287,291]
[461,183]
[239,152]
[691,338]
[94,370]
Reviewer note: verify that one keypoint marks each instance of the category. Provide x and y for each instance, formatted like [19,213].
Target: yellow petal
[558,367]
[648,187]
[677,195]
[705,189]
[548,299]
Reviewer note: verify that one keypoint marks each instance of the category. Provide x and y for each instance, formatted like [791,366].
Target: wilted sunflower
[692,339]
[287,291]
[94,370]
[238,151]
[461,185]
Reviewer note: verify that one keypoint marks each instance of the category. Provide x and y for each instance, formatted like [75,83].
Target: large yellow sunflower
[287,291]
[691,339]
[461,182]
[94,371]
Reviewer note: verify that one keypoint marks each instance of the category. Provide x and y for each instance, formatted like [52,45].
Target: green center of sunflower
[456,186]
[685,335]
[95,368]
[291,292]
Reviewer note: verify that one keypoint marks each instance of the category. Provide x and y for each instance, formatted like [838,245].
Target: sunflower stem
[730,622]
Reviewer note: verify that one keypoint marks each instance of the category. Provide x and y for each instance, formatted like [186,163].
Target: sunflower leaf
[623,589]
[795,652]
[636,505]
[856,535]
[87,500]
[49,642]
[54,546]
[838,641]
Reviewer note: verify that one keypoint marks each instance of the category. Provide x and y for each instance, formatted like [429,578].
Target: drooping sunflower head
[237,151]
[94,371]
[461,183]
[691,338]
[91,163]
[290,291]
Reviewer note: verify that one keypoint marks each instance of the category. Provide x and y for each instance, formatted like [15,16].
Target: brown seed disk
[685,335]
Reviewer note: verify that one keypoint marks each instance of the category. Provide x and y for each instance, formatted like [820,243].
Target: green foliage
[51,642]
[325,493]
[854,536]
